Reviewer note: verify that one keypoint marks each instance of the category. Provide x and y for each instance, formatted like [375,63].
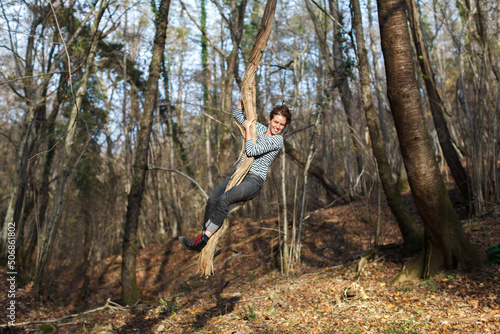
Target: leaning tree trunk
[205,260]
[130,289]
[64,180]
[437,107]
[412,237]
[446,246]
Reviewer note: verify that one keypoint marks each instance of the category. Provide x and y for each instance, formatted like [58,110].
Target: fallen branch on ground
[109,304]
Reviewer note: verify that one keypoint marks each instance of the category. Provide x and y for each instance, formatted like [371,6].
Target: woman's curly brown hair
[283,111]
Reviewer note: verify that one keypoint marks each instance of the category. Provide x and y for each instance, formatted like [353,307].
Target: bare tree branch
[183,174]
[203,32]
[221,11]
[109,304]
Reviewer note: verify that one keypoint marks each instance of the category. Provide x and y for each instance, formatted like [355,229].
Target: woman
[264,150]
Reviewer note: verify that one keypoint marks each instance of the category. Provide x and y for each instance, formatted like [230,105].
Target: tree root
[412,270]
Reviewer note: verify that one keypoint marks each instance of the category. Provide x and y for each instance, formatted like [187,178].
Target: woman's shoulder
[261,128]
[278,138]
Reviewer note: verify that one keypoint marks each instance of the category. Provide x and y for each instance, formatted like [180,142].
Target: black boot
[197,244]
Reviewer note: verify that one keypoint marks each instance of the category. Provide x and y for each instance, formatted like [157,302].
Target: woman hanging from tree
[264,150]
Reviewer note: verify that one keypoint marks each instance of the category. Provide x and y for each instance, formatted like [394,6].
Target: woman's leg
[245,191]
[214,198]
[218,207]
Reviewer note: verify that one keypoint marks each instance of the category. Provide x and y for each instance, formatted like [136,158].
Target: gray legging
[219,202]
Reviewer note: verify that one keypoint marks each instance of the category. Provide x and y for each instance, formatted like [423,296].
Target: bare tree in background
[130,289]
[63,182]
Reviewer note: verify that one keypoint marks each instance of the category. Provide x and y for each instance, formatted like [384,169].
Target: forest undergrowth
[326,293]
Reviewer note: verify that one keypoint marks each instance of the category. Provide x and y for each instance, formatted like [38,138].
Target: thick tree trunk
[236,25]
[437,107]
[447,246]
[130,289]
[412,237]
[206,93]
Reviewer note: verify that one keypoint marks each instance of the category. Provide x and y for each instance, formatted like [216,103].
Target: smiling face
[276,124]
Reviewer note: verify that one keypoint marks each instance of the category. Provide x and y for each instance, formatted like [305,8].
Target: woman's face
[276,124]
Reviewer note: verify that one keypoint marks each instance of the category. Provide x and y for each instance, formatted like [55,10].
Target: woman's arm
[266,144]
[238,114]
[246,125]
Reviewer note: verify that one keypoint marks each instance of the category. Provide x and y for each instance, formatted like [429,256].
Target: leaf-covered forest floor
[248,294]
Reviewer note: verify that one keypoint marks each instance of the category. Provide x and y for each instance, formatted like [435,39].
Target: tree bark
[130,289]
[412,237]
[205,260]
[436,105]
[447,247]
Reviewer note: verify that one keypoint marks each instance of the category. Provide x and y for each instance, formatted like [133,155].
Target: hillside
[249,295]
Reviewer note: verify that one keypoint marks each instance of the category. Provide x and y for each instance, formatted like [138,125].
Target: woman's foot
[197,244]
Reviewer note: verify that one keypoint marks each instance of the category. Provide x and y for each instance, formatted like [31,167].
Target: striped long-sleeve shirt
[264,149]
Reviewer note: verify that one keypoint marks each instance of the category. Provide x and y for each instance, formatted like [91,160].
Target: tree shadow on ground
[142,322]
[223,307]
[74,293]
[328,246]
[164,262]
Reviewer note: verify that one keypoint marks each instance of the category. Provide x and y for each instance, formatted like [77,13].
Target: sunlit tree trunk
[436,105]
[446,246]
[130,289]
[205,260]
[412,237]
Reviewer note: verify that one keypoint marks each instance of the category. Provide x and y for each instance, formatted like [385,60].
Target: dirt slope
[249,295]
